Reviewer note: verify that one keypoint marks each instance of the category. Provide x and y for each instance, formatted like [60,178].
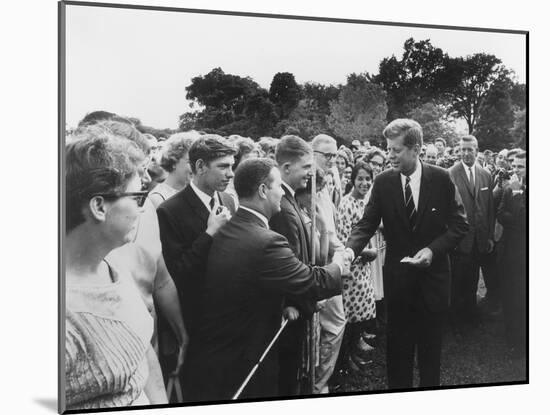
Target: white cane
[257,365]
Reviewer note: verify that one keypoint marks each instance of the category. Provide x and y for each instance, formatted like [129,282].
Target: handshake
[344,260]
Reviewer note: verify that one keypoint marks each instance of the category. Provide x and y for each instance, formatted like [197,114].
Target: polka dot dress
[357,289]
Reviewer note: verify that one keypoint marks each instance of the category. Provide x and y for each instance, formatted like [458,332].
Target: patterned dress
[357,289]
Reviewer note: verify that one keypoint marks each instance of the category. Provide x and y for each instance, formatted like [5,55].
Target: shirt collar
[292,192]
[205,199]
[466,167]
[257,214]
[417,173]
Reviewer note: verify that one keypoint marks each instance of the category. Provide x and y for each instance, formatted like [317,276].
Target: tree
[434,121]
[496,117]
[472,77]
[519,129]
[305,120]
[360,111]
[420,76]
[284,93]
[230,105]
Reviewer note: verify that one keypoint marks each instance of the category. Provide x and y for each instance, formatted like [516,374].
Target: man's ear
[262,191]
[200,166]
[286,167]
[98,210]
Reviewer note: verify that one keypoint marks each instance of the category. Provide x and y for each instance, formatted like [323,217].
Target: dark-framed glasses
[139,197]
[328,156]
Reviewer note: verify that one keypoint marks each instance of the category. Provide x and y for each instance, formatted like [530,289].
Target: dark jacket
[440,225]
[250,269]
[185,244]
[479,206]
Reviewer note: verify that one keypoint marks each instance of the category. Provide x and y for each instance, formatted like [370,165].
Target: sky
[137,63]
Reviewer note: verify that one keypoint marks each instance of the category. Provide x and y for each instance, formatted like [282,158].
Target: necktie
[212,203]
[471,178]
[409,202]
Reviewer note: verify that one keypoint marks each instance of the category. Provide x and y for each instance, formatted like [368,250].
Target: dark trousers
[409,328]
[465,278]
[290,357]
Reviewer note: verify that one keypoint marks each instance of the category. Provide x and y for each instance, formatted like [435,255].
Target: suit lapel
[477,180]
[465,180]
[305,233]
[425,194]
[197,205]
[399,197]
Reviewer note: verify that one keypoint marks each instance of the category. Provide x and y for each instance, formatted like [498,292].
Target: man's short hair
[521,154]
[174,149]
[441,140]
[409,129]
[468,139]
[250,174]
[209,147]
[321,139]
[512,153]
[290,148]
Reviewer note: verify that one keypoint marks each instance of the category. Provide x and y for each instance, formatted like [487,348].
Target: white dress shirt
[467,168]
[416,178]
[204,197]
[257,214]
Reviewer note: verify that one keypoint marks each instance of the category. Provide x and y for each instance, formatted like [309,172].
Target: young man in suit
[250,269]
[423,221]
[475,251]
[295,162]
[190,219]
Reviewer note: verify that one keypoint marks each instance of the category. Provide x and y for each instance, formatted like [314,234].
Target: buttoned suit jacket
[479,206]
[440,225]
[183,219]
[250,269]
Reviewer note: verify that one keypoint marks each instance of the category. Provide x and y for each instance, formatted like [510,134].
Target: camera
[504,174]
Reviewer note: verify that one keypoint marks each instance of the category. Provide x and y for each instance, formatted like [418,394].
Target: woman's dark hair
[361,165]
[97,161]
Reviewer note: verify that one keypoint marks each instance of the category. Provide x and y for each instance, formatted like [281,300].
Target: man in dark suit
[190,219]
[250,269]
[512,213]
[475,251]
[295,162]
[423,221]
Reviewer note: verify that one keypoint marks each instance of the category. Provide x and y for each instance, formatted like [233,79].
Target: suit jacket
[185,244]
[479,205]
[250,269]
[290,223]
[440,225]
[512,213]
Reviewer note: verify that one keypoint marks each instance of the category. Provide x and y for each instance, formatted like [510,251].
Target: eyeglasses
[139,197]
[328,156]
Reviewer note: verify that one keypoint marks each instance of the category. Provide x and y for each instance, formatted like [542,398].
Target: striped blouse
[108,333]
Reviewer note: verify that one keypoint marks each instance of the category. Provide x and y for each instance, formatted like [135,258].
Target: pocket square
[484,188]
[434,210]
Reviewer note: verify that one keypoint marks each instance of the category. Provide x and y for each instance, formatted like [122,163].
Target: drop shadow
[48,403]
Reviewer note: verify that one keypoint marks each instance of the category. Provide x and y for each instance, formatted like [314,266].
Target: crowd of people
[209,268]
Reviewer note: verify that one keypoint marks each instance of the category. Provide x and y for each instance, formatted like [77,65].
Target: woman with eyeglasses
[109,360]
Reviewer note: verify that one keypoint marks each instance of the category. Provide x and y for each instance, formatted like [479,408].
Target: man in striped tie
[424,220]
